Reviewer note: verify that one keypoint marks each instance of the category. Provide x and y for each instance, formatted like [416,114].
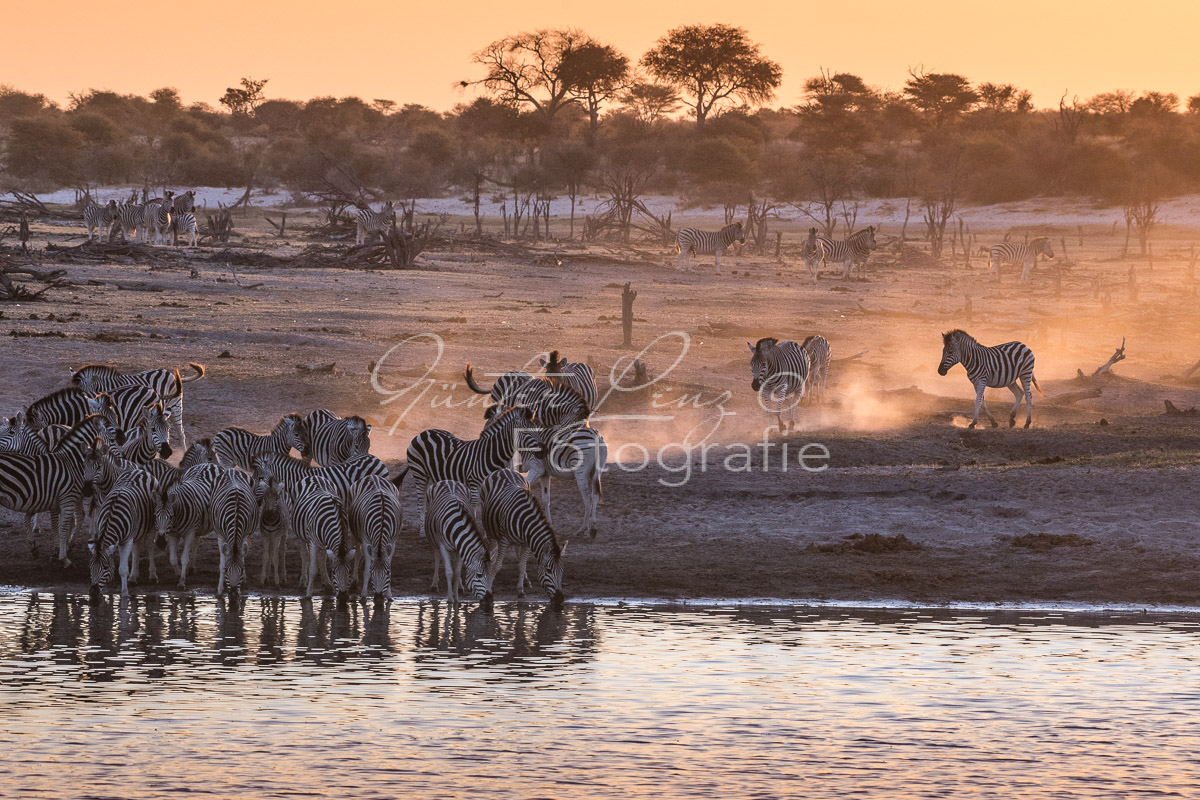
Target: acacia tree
[714,65]
[648,102]
[594,73]
[941,95]
[242,102]
[527,69]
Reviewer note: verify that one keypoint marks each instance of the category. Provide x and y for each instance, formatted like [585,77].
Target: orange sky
[416,52]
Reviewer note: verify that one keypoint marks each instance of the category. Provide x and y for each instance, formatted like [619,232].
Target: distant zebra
[319,520]
[342,477]
[331,439]
[375,519]
[132,219]
[435,455]
[819,356]
[999,366]
[780,369]
[1019,253]
[100,220]
[367,221]
[550,405]
[238,447]
[451,527]
[274,523]
[184,202]
[578,452]
[855,248]
[813,253]
[52,482]
[691,241]
[127,518]
[512,517]
[184,222]
[168,383]
[68,407]
[572,374]
[233,512]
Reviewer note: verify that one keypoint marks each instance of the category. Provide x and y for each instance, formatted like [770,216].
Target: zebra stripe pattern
[578,452]
[451,527]
[780,369]
[100,220]
[819,356]
[131,217]
[513,518]
[691,241]
[1002,365]
[375,520]
[319,519]
[573,375]
[68,407]
[158,217]
[368,222]
[126,520]
[854,249]
[233,511]
[341,477]
[185,222]
[238,447]
[331,439]
[184,513]
[168,383]
[1019,253]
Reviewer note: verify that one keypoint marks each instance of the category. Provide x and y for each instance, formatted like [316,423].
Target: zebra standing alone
[999,366]
[367,222]
[691,241]
[1018,253]
[779,369]
[855,248]
[512,517]
[100,219]
[819,356]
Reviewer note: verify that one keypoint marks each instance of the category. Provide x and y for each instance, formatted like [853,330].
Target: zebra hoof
[1012,421]
[971,426]
[995,424]
[1028,422]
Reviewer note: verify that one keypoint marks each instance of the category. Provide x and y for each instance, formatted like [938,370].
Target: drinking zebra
[184,513]
[578,452]
[238,447]
[451,527]
[371,222]
[572,374]
[375,519]
[780,369]
[512,517]
[319,519]
[127,519]
[274,522]
[233,512]
[819,356]
[855,248]
[100,220]
[999,366]
[51,482]
[1018,253]
[291,471]
[332,439]
[691,241]
[168,383]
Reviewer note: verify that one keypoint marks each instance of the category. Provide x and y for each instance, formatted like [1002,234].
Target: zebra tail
[198,369]
[399,479]
[1035,385]
[471,382]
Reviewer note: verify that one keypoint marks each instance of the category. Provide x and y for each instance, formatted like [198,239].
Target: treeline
[562,114]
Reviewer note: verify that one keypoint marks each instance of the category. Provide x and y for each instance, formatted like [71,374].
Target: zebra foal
[819,356]
[999,366]
[693,241]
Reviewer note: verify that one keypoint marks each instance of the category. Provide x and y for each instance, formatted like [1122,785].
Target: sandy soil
[1100,488]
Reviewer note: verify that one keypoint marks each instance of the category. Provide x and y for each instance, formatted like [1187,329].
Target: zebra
[779,369]
[332,439]
[580,452]
[131,217]
[158,217]
[856,247]
[96,378]
[319,519]
[238,447]
[184,222]
[17,437]
[451,527]
[184,202]
[998,366]
[692,241]
[100,220]
[233,512]
[573,374]
[819,356]
[367,221]
[274,523]
[184,513]
[512,517]
[813,253]
[549,404]
[375,519]
[434,455]
[126,519]
[291,471]
[1018,253]
[50,482]
[146,437]
[69,407]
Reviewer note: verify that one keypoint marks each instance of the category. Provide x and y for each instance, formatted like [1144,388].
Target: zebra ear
[562,548]
[92,548]
[329,552]
[750,346]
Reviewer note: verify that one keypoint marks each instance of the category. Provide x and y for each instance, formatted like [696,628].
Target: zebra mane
[956,334]
[807,340]
[758,346]
[555,547]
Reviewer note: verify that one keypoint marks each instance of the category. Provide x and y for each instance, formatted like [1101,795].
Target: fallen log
[857,355]
[1103,369]
[1067,398]
[1174,410]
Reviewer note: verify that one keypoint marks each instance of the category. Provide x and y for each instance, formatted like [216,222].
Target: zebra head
[758,361]
[737,233]
[341,572]
[360,436]
[552,574]
[95,465]
[298,434]
[380,561]
[272,500]
[950,350]
[1042,245]
[100,566]
[475,568]
[154,422]
[870,237]
[168,510]
[389,211]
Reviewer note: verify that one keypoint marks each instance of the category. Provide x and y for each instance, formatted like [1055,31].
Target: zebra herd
[148,222]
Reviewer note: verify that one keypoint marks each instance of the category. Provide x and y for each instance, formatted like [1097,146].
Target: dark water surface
[294,699]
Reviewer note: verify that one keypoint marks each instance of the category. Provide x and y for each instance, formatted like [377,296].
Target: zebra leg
[679,259]
[126,555]
[717,259]
[133,570]
[176,411]
[151,557]
[281,559]
[364,590]
[583,480]
[847,265]
[188,539]
[437,565]
[1028,403]
[1026,266]
[268,546]
[60,520]
[312,567]
[451,575]
[1012,415]
[31,533]
[978,402]
[223,559]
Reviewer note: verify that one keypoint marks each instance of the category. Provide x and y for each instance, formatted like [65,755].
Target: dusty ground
[900,459]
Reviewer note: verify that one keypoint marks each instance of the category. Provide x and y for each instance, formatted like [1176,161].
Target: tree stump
[628,295]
